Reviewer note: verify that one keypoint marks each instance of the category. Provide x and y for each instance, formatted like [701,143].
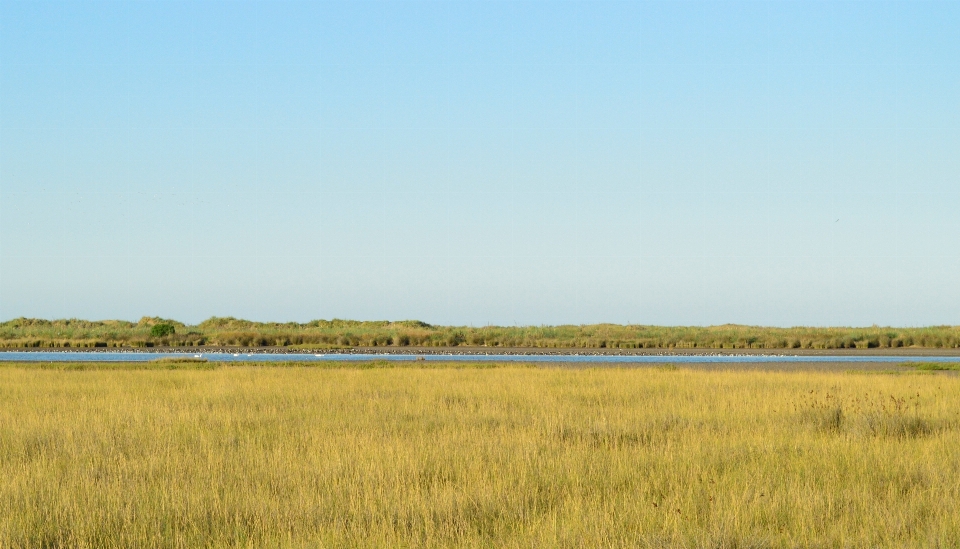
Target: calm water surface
[73,356]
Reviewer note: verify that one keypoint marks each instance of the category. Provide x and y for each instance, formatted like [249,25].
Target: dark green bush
[162,330]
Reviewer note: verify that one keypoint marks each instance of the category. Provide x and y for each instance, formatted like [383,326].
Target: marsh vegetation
[330,334]
[383,456]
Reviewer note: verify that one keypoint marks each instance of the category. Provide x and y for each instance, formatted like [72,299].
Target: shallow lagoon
[137,356]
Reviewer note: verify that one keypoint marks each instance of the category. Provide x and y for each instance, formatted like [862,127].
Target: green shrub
[162,330]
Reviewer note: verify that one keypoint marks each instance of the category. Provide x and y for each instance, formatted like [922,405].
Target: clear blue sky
[777,163]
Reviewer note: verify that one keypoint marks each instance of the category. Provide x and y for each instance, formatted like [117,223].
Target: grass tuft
[933,366]
[180,360]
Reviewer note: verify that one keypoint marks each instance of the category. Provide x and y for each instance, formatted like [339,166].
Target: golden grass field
[244,456]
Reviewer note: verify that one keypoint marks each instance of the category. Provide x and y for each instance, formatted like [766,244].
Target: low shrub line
[337,334]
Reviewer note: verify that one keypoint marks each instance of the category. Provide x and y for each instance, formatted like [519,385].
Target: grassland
[329,334]
[933,366]
[504,457]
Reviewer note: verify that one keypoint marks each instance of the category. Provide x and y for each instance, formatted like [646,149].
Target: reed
[254,456]
[332,334]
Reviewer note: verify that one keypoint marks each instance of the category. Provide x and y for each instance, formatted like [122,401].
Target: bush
[162,330]
[456,338]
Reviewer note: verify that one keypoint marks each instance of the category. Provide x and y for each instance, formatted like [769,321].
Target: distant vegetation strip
[203,364]
[927,366]
[331,334]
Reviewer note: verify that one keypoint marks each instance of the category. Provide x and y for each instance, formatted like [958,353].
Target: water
[131,356]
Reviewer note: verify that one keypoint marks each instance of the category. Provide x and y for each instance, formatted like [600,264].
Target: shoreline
[772,366]
[495,351]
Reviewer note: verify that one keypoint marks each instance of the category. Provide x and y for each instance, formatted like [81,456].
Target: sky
[474,163]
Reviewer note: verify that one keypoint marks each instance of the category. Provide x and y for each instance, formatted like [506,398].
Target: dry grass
[180,360]
[507,457]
